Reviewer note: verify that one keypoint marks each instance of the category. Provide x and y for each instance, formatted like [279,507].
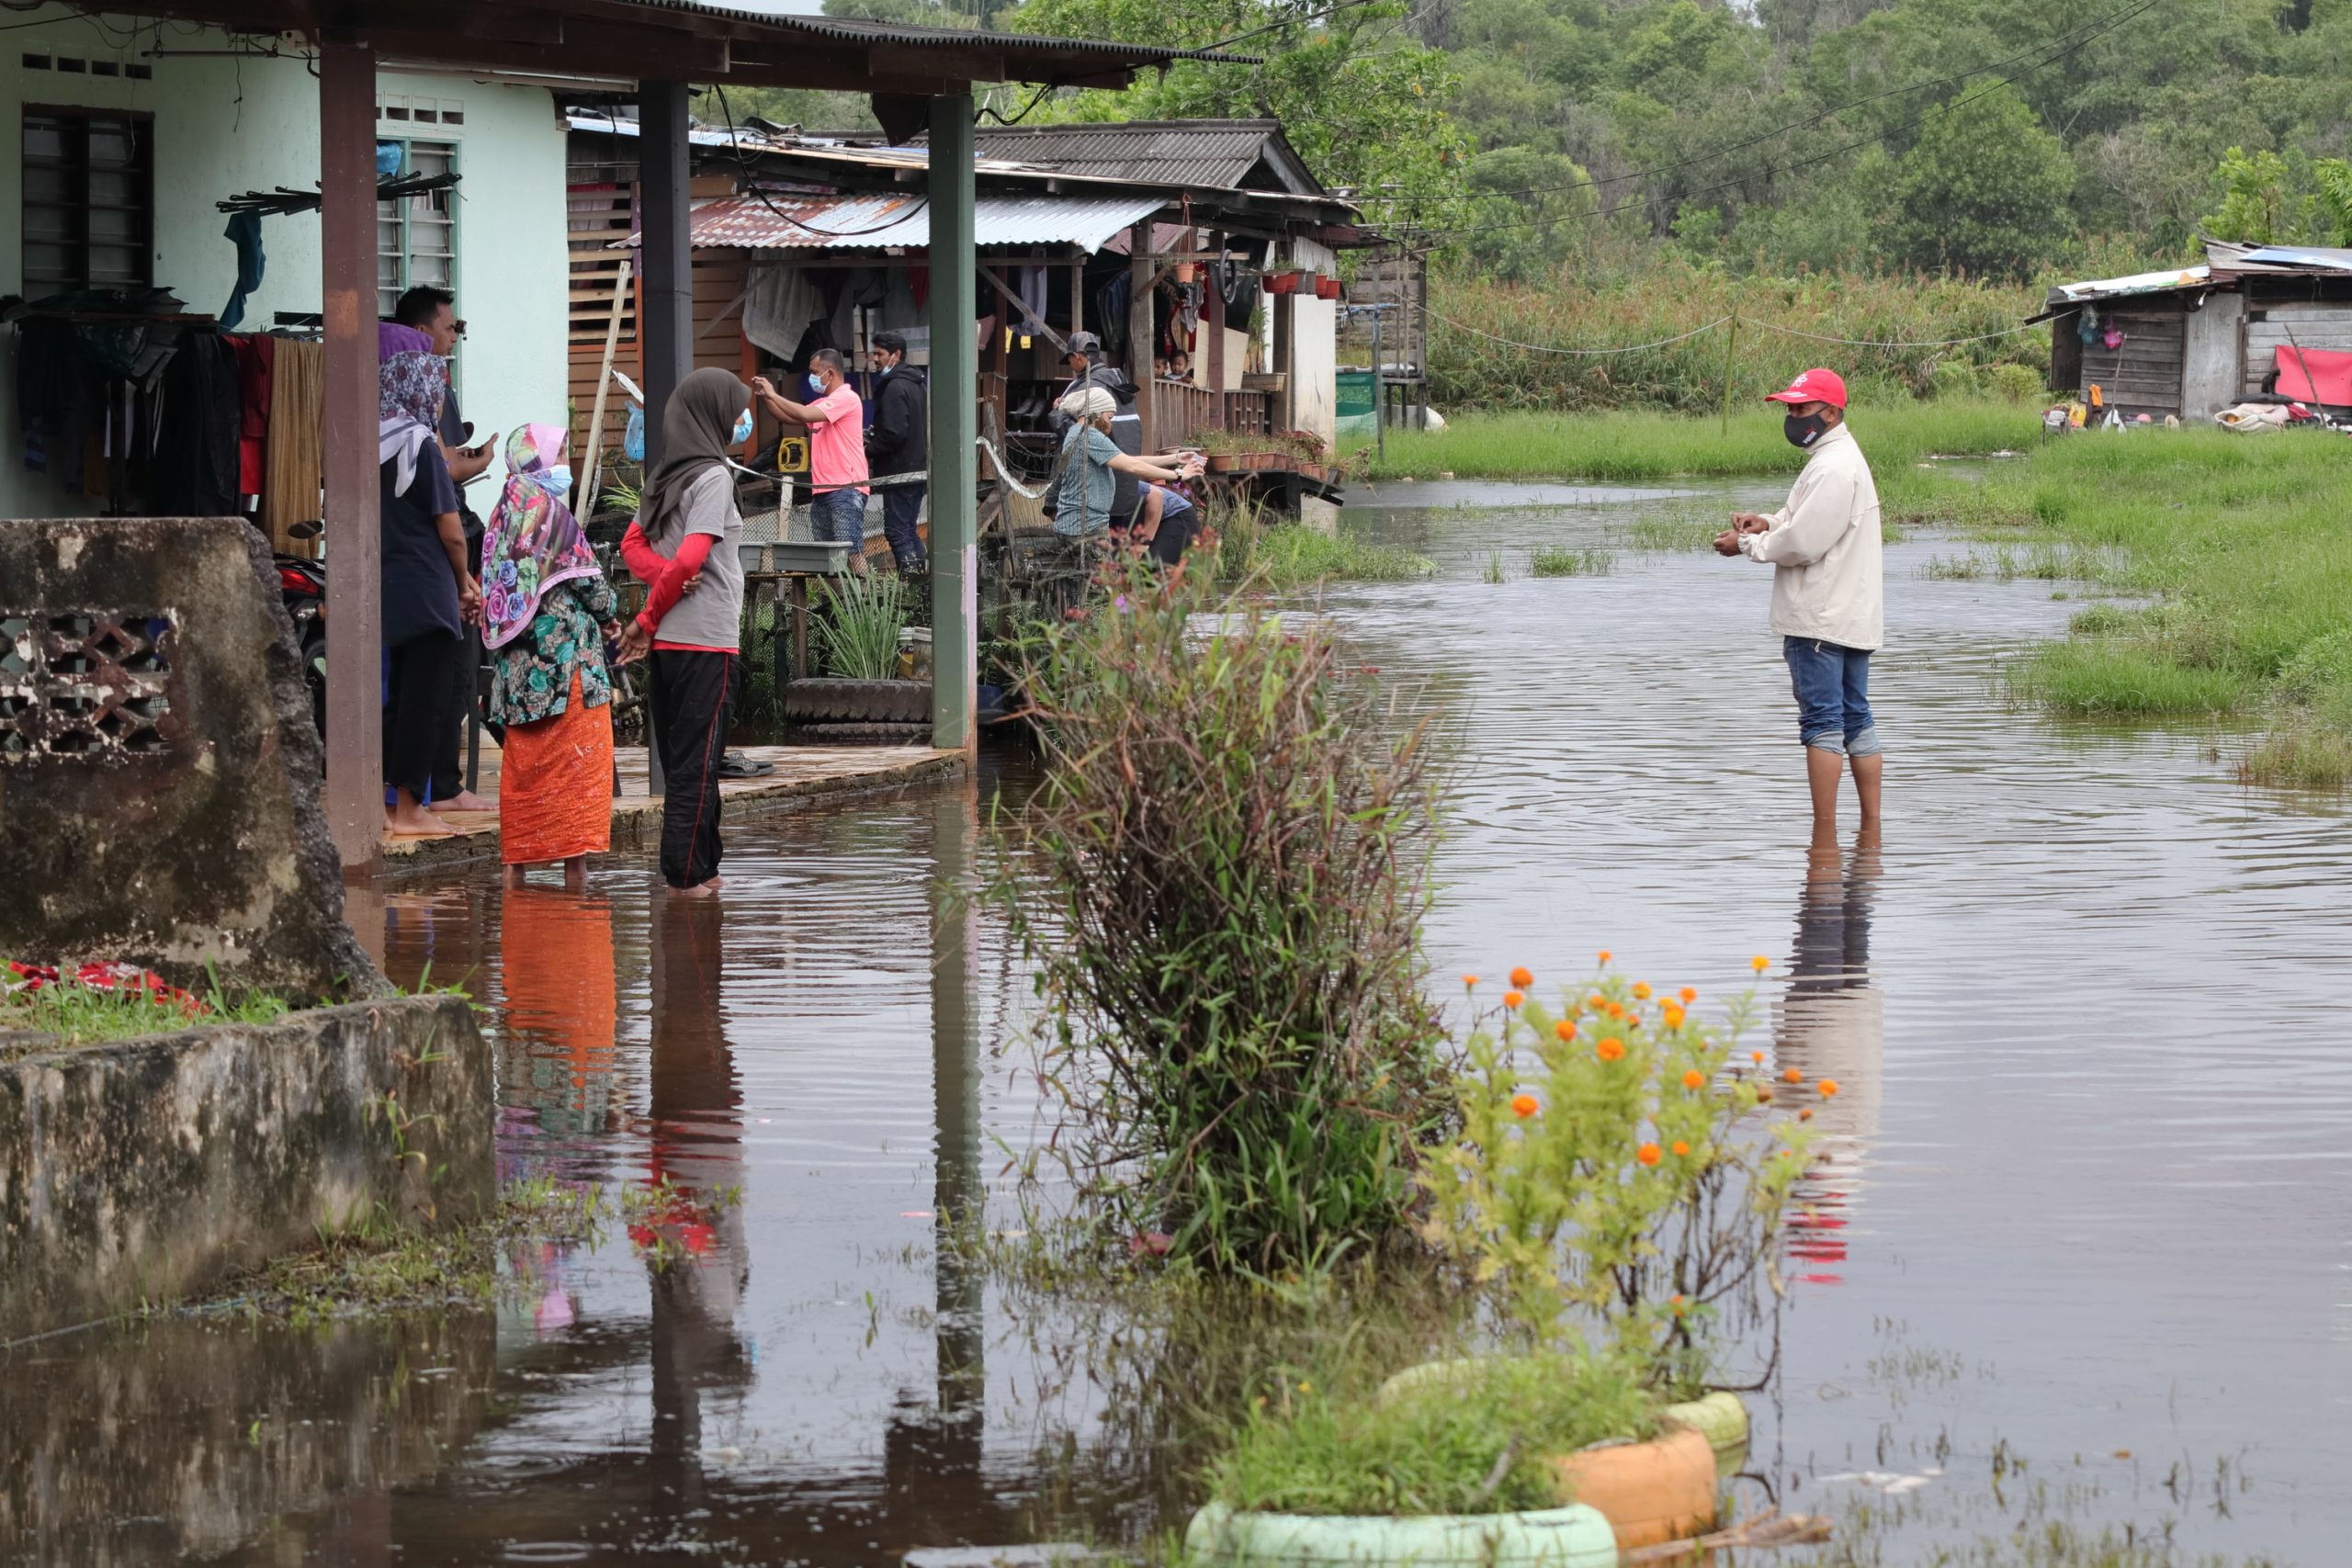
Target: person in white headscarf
[1090,460]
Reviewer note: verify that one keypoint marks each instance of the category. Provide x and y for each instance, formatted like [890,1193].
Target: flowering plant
[1614,1172]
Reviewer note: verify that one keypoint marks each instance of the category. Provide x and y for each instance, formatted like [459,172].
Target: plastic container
[1572,1537]
[1654,1492]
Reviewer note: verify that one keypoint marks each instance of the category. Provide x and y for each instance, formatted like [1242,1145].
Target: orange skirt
[554,785]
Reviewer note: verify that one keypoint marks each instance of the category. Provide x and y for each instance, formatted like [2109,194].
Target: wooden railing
[1179,409]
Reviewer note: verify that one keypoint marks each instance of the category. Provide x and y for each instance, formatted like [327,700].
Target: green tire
[1573,1536]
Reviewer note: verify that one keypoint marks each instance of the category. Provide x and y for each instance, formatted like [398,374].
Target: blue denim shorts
[1833,687]
[839,515]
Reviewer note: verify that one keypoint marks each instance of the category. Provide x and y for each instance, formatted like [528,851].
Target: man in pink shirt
[837,471]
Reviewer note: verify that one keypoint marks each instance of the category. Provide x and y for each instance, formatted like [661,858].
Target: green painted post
[955,383]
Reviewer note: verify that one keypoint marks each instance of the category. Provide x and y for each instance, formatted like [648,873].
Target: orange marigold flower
[1615,1009]
[1680,1148]
[1523,1104]
[1829,1089]
[1647,1153]
[1565,1029]
[1793,1074]
[1806,1115]
[1470,981]
[1641,990]
[1673,1016]
[1521,978]
[1759,964]
[1763,1097]
[1512,998]
[1597,1002]
[1680,1307]
[1694,1078]
[1604,955]
[1756,1058]
[1609,1050]
[1690,995]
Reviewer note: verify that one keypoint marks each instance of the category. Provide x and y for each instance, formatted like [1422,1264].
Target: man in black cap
[897,442]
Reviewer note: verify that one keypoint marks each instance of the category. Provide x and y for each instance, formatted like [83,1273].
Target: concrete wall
[156,1168]
[227,126]
[2208,370]
[1315,365]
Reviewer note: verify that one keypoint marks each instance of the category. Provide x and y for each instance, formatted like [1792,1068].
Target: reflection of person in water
[1830,1022]
[693,1232]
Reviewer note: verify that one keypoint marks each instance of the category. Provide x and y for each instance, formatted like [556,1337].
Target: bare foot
[466,800]
[409,820]
[575,873]
[699,890]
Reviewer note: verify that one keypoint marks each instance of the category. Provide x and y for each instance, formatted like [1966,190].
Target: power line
[1596,353]
[2091,31]
[1723,321]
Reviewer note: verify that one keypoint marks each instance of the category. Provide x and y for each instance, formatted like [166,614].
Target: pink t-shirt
[837,447]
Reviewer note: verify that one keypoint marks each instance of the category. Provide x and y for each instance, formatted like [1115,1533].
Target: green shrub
[858,632]
[1480,1441]
[1560,562]
[1954,380]
[1228,849]
[2017,383]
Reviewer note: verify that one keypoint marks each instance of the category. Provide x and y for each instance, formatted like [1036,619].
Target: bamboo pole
[584,501]
[1729,343]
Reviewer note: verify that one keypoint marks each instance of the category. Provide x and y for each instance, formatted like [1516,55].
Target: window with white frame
[416,236]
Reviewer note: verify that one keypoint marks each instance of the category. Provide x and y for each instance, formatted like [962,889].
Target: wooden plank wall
[2315,323]
[1389,279]
[2144,375]
[601,210]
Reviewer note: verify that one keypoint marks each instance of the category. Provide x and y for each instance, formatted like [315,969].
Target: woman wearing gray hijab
[687,530]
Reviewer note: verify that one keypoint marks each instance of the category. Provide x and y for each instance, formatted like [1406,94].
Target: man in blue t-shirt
[1091,462]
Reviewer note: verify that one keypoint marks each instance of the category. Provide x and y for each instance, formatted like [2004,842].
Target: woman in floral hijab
[546,614]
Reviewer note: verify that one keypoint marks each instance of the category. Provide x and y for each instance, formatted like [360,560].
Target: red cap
[1813,387]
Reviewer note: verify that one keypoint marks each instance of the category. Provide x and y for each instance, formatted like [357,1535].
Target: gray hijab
[698,427]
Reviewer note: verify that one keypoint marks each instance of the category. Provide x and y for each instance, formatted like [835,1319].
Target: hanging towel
[779,306]
[244,233]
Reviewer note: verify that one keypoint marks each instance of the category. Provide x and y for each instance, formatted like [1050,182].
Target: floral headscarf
[532,541]
[408,390]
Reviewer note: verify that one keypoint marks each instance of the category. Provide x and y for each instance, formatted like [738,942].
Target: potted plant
[1284,282]
[1327,288]
[857,624]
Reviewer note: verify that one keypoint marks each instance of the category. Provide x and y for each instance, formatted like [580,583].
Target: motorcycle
[302,583]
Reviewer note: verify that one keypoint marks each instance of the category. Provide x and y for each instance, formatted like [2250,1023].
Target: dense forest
[1996,138]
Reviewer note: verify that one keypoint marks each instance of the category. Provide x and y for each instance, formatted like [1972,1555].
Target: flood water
[2089,1193]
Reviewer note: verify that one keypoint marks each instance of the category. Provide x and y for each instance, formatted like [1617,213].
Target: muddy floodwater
[2081,1251]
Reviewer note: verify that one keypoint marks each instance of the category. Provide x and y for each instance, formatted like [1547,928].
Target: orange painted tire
[1659,1491]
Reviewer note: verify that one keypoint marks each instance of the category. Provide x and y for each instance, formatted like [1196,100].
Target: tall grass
[1467,371]
[1223,881]
[1637,447]
[858,633]
[1286,556]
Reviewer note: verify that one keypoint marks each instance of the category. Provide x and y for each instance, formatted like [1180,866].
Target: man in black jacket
[898,443]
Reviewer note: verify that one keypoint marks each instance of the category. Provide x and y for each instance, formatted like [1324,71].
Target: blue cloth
[839,515]
[390,156]
[1833,691]
[244,233]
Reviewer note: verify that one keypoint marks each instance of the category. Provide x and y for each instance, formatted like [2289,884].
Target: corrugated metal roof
[2138,283]
[1203,152]
[903,222]
[851,29]
[2313,258]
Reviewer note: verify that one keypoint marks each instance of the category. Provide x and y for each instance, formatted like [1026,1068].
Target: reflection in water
[692,1232]
[1830,1024]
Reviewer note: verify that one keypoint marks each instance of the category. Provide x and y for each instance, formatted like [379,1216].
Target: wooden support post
[1140,277]
[1285,346]
[665,328]
[665,316]
[1212,318]
[1078,297]
[955,369]
[354,784]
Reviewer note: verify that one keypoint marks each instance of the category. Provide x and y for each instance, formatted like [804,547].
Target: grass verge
[67,1015]
[1287,556]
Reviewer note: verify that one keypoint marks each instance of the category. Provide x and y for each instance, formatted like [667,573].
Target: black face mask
[1804,429]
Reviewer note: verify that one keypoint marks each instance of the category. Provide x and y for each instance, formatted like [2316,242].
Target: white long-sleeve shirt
[1824,549]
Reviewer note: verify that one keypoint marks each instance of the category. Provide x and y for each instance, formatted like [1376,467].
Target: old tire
[862,734]
[1722,1419]
[831,700]
[1572,1537]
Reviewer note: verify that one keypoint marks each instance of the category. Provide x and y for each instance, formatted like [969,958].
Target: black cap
[1083,342]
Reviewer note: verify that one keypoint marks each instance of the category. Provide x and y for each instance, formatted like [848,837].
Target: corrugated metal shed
[1220,153]
[903,222]
[773,14]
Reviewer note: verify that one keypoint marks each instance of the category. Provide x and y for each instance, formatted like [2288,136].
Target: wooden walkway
[802,774]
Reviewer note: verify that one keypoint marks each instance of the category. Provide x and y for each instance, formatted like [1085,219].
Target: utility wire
[2103,24]
[1596,353]
[1722,320]
[751,183]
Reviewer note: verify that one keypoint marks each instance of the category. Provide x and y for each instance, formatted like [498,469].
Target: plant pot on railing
[1327,288]
[1225,462]
[1284,282]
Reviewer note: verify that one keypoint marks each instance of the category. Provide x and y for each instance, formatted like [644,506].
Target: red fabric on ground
[2299,369]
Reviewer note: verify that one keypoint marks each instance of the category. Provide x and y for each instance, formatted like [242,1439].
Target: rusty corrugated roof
[1220,153]
[858,31]
[779,222]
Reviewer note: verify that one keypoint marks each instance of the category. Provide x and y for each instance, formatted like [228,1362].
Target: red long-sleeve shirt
[665,577]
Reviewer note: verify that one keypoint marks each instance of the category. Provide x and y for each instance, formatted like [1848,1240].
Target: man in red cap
[1829,592]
